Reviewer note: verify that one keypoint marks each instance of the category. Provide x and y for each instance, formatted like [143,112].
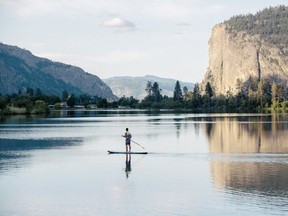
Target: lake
[197,164]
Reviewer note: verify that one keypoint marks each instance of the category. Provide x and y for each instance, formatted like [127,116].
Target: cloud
[119,25]
[183,24]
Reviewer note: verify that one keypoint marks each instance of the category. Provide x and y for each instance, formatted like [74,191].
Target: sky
[165,38]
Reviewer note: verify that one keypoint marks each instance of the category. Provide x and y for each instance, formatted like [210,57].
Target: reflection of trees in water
[18,119]
[260,174]
[209,128]
[251,134]
[266,178]
[177,123]
[99,112]
[15,153]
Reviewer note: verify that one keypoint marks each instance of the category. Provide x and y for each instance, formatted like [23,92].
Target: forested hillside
[271,24]
[20,69]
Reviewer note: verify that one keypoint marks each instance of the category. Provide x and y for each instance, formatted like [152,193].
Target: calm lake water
[198,164]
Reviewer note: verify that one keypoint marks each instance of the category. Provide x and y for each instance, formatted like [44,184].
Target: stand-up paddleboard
[118,152]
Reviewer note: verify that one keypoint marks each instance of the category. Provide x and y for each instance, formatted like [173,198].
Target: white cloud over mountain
[119,24]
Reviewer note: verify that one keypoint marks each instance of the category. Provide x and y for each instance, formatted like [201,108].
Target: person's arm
[125,135]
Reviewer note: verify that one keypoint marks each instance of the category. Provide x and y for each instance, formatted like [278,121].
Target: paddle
[135,143]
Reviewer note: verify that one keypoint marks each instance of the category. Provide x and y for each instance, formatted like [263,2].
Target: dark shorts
[128,141]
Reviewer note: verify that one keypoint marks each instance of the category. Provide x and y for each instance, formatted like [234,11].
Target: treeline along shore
[253,96]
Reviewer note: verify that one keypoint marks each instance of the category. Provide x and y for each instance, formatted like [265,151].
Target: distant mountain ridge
[135,86]
[20,69]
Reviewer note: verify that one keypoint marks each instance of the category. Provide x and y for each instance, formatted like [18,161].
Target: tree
[177,96]
[185,92]
[41,107]
[274,92]
[52,99]
[260,92]
[64,95]
[38,92]
[102,103]
[3,103]
[130,102]
[196,92]
[208,90]
[57,106]
[196,97]
[84,99]
[280,92]
[153,94]
[148,88]
[71,101]
[23,101]
[156,92]
[30,91]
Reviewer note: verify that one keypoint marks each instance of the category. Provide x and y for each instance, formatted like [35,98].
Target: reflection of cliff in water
[252,135]
[266,178]
[16,153]
[262,174]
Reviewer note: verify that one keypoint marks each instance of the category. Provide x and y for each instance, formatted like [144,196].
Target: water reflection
[254,162]
[100,113]
[264,177]
[20,119]
[265,134]
[241,165]
[15,153]
[128,168]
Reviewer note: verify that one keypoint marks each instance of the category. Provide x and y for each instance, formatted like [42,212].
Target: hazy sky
[166,38]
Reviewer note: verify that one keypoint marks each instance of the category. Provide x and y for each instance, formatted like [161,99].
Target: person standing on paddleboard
[128,137]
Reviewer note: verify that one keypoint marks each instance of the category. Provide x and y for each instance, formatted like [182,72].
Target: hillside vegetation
[271,24]
[20,69]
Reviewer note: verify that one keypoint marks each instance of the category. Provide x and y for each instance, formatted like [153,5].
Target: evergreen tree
[64,95]
[208,90]
[148,88]
[185,92]
[71,101]
[84,99]
[3,103]
[30,91]
[156,92]
[102,103]
[260,94]
[274,90]
[196,97]
[38,92]
[177,96]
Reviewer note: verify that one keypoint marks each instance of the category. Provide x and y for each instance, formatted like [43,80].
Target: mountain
[135,86]
[248,46]
[20,69]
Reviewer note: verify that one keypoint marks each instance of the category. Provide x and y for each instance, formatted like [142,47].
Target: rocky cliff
[20,69]
[248,46]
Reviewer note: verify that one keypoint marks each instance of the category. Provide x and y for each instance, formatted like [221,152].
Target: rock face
[20,69]
[237,55]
